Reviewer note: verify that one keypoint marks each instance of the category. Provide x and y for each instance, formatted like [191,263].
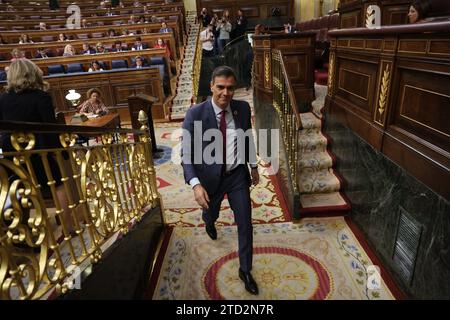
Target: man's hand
[201,196]
[255,176]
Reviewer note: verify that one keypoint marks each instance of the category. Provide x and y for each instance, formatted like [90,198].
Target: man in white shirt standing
[228,173]
[207,40]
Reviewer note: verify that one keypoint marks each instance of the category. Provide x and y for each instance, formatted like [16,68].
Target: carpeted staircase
[319,184]
[185,90]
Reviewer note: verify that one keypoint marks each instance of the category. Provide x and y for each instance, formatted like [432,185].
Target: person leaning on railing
[93,104]
[25,99]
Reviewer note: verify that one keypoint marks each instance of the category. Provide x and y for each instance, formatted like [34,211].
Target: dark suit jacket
[28,106]
[210,174]
[144,46]
[32,106]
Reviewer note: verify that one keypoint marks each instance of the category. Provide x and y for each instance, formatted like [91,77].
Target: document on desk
[92,116]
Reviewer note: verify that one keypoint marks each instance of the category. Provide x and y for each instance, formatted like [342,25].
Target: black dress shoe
[250,284]
[211,231]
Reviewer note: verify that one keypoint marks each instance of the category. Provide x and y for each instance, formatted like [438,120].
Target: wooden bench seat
[54,23]
[13,36]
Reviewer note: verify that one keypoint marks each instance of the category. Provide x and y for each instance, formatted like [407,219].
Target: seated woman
[24,38]
[95,66]
[69,51]
[418,11]
[25,99]
[94,104]
[100,48]
[62,37]
[17,54]
[162,45]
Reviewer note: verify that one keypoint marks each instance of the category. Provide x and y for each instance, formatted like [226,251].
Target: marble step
[322,181]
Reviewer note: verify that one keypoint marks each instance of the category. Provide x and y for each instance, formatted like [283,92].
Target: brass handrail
[197,65]
[285,104]
[95,193]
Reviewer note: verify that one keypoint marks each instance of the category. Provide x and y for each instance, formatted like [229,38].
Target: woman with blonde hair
[17,54]
[25,99]
[69,51]
[93,104]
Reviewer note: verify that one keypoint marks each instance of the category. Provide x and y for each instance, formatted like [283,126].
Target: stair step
[310,121]
[317,160]
[323,203]
[312,141]
[318,181]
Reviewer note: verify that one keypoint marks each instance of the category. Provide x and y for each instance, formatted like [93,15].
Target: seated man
[139,45]
[42,26]
[117,46]
[138,63]
[87,49]
[165,28]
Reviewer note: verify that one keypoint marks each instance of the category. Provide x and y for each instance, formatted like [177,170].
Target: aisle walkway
[318,258]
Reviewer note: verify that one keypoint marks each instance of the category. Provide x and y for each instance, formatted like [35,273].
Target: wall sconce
[73,97]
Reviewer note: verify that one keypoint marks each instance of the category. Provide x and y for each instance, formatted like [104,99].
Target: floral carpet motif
[319,258]
[180,207]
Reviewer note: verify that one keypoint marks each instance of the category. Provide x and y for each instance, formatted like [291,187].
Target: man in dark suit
[139,45]
[226,172]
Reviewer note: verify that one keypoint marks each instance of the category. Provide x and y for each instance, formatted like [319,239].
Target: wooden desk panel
[86,59]
[110,120]
[298,50]
[404,112]
[115,86]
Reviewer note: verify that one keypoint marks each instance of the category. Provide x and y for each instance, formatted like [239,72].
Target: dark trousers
[237,187]
[207,53]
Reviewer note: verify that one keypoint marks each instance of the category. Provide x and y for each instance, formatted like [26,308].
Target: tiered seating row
[56,49]
[13,36]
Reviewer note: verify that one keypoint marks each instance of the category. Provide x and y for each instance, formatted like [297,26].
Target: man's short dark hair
[223,71]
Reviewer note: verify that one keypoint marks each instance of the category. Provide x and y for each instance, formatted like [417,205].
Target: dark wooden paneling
[423,103]
[397,98]
[298,52]
[356,83]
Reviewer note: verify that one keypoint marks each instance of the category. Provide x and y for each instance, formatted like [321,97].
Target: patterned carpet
[179,203]
[320,258]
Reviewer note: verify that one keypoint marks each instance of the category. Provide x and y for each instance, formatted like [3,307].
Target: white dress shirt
[231,141]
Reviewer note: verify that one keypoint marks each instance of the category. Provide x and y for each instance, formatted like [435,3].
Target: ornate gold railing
[285,104]
[98,191]
[197,65]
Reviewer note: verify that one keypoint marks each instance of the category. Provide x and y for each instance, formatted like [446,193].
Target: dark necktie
[223,129]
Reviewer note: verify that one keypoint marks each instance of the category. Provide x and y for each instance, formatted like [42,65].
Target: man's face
[222,89]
